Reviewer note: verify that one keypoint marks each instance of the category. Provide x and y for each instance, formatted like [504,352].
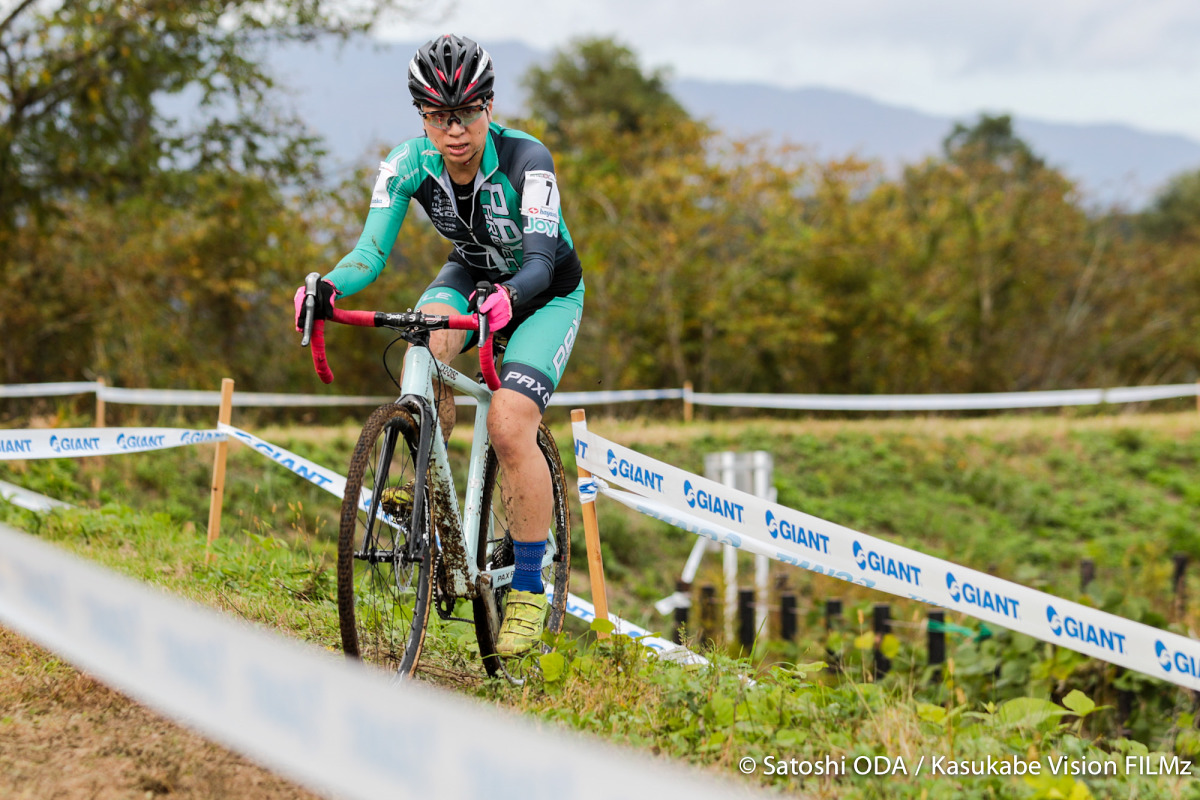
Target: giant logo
[74,444]
[780,528]
[16,445]
[886,565]
[139,441]
[707,501]
[983,598]
[1087,632]
[624,468]
[1176,660]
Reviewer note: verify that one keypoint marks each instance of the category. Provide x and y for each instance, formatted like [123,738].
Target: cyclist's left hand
[498,308]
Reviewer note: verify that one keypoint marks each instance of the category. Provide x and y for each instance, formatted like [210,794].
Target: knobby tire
[383,607]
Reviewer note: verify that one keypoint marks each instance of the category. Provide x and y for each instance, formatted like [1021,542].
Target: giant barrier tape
[336,485]
[743,520]
[333,725]
[31,443]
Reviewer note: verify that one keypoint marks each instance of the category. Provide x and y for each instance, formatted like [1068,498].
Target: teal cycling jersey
[510,231]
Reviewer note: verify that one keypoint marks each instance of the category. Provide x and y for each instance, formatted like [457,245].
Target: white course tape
[743,520]
[813,402]
[946,402]
[333,725]
[30,443]
[188,397]
[47,389]
[32,501]
[664,648]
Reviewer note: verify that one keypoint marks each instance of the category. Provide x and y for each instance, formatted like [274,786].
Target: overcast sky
[1088,61]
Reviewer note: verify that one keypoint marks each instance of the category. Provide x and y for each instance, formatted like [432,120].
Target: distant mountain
[356,98]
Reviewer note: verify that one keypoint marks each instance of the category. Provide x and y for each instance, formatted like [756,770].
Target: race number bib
[539,200]
[380,196]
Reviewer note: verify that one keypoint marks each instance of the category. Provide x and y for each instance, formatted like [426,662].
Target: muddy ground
[64,736]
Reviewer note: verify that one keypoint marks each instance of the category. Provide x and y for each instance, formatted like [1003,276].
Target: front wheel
[384,569]
[495,549]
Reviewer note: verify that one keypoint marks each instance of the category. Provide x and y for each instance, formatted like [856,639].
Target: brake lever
[310,306]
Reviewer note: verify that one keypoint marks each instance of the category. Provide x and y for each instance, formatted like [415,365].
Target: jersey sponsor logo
[502,229]
[381,197]
[564,350]
[136,442]
[442,213]
[780,528]
[1177,660]
[16,445]
[983,598]
[886,565]
[542,226]
[1084,631]
[74,444]
[715,504]
[624,468]
[539,390]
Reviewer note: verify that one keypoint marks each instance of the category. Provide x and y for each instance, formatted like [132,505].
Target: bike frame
[459,553]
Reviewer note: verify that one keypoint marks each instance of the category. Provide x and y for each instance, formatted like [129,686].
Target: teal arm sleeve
[362,265]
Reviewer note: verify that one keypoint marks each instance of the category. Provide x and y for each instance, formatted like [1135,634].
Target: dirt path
[64,736]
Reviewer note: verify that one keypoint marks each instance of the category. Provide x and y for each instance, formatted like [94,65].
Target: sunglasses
[443,119]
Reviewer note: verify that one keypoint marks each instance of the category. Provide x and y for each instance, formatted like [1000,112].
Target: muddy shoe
[397,501]
[524,617]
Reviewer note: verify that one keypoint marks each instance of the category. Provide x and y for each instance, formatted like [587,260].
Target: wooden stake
[218,482]
[591,535]
[100,402]
[688,410]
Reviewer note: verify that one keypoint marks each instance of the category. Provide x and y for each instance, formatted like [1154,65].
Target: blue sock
[527,577]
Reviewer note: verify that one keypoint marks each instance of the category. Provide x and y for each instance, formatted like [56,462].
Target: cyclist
[492,192]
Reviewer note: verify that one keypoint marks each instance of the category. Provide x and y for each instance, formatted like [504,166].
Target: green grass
[1023,497]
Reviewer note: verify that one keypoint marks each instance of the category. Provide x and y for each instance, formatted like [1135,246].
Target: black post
[882,619]
[708,611]
[745,609]
[1087,573]
[936,638]
[1124,708]
[681,612]
[833,622]
[787,617]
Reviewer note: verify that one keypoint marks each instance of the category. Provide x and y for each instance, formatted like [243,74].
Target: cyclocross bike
[406,542]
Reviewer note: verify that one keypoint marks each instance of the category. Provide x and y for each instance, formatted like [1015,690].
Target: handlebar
[410,320]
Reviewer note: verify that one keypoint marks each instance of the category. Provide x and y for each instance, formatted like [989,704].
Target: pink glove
[498,308]
[326,295]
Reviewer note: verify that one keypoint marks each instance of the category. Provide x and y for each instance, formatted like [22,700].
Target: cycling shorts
[540,338]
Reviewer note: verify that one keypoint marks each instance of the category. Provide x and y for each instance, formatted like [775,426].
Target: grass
[1025,497]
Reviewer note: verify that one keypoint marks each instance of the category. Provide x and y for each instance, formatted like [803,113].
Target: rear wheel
[385,570]
[495,550]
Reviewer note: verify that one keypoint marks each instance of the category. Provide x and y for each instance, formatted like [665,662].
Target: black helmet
[450,71]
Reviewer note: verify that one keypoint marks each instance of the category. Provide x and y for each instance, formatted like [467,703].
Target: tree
[1175,211]
[599,78]
[81,83]
[101,193]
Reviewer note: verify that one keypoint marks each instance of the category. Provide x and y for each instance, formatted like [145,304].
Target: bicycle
[403,544]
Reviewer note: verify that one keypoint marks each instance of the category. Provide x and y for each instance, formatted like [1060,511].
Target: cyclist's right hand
[322,309]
